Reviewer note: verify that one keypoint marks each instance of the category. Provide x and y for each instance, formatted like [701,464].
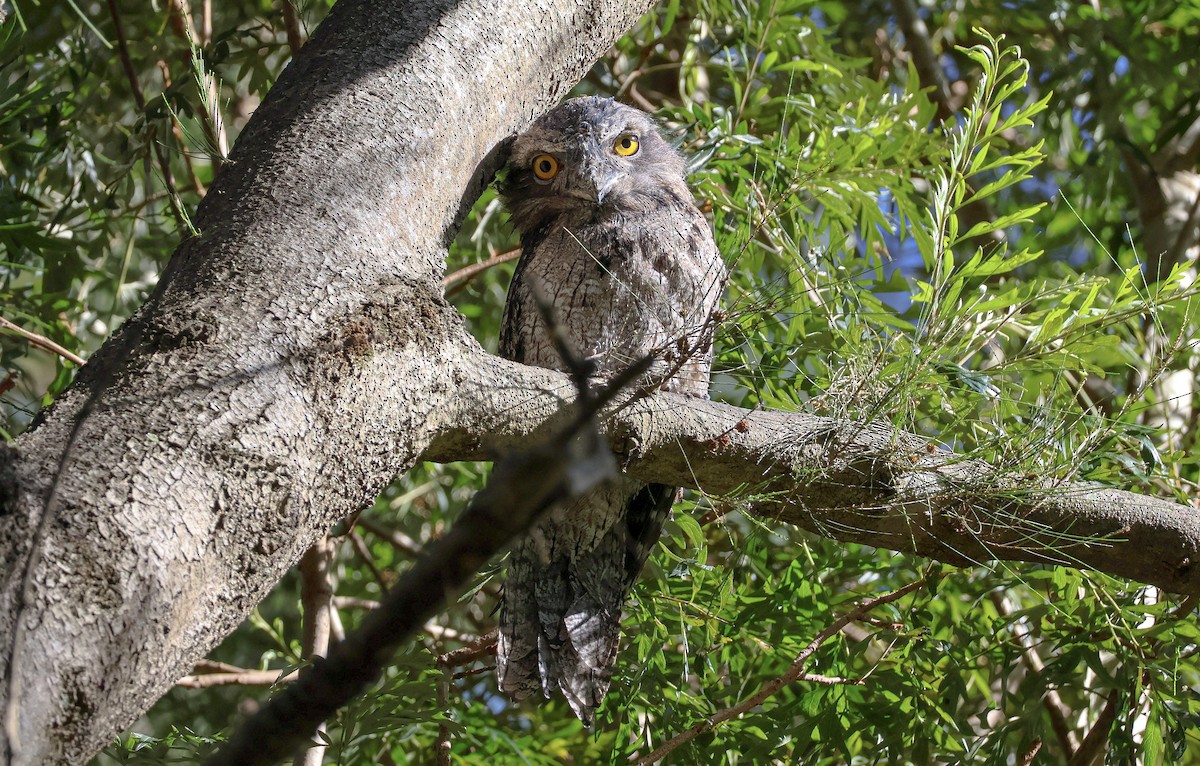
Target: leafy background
[978,271]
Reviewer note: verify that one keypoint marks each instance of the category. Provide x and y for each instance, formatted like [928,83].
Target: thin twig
[350,602]
[717,512]
[398,539]
[794,673]
[443,745]
[457,280]
[489,668]
[435,631]
[42,342]
[635,73]
[212,666]
[177,131]
[817,678]
[364,553]
[180,16]
[240,678]
[337,631]
[479,648]
[1185,608]
[637,98]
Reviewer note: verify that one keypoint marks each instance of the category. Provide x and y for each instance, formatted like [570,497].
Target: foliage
[865,286]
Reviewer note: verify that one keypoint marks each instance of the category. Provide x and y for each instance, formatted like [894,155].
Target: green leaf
[691,529]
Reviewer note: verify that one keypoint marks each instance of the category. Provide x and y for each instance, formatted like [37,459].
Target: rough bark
[296,356]
[523,486]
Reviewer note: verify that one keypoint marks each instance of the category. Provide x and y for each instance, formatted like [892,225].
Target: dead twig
[42,342]
[477,649]
[457,280]
[239,678]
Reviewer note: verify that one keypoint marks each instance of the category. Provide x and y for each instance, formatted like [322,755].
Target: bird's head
[585,155]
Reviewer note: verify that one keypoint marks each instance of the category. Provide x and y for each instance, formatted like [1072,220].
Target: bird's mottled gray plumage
[617,247]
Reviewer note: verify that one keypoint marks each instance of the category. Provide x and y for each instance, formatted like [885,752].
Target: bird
[613,244]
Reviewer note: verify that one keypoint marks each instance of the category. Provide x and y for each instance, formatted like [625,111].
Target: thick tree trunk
[298,354]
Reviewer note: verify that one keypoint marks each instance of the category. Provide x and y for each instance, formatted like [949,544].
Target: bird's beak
[596,184]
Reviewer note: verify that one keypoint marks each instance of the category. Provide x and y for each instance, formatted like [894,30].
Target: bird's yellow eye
[626,145]
[545,167]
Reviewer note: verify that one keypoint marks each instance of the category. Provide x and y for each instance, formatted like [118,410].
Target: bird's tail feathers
[560,625]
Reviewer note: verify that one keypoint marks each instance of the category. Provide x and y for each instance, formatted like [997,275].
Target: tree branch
[481,647]
[459,279]
[316,594]
[925,59]
[364,553]
[853,482]
[298,354]
[291,24]
[1091,750]
[395,537]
